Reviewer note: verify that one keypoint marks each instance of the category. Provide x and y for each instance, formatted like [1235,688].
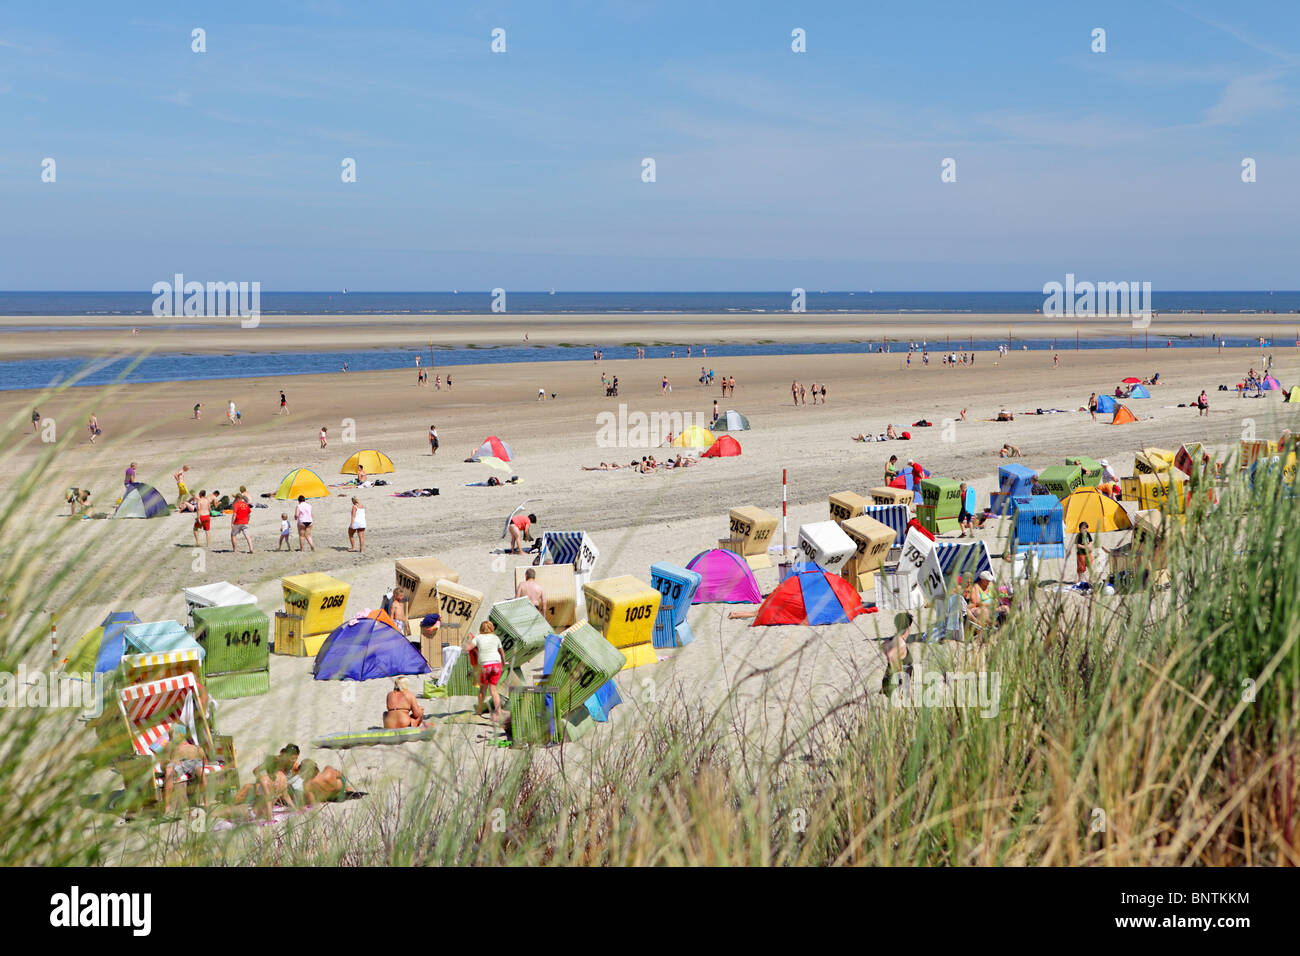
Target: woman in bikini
[403,710]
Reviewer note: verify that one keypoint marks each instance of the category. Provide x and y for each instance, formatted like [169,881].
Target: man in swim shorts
[203,519]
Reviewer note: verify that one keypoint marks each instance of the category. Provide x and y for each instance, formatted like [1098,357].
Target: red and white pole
[54,639]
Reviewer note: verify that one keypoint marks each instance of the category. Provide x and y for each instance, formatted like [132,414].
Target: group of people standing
[799,392]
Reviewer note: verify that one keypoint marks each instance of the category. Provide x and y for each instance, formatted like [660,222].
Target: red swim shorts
[489,674]
[202,521]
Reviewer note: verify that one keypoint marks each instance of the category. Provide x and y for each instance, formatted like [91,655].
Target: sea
[135,310]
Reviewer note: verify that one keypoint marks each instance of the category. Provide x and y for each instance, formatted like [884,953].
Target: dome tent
[810,596]
[374,462]
[730,421]
[142,501]
[724,447]
[725,577]
[301,481]
[366,648]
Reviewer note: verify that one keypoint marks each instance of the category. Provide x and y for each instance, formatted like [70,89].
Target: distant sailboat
[345,291]
[552,292]
[455,291]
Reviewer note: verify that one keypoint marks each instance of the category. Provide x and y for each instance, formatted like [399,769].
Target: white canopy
[218,594]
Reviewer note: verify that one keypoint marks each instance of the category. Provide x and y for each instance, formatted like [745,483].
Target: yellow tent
[693,436]
[374,462]
[301,481]
[1101,512]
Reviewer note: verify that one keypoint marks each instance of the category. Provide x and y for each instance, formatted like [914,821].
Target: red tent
[810,596]
[724,447]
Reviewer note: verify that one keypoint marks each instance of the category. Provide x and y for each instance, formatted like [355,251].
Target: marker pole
[783,514]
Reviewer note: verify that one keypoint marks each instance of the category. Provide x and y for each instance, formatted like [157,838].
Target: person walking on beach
[794,392]
[36,421]
[433,439]
[487,648]
[1092,406]
[198,410]
[93,425]
[715,410]
[357,527]
[1202,405]
[803,394]
[243,511]
[323,436]
[284,533]
[303,515]
[449,381]
[203,519]
[182,492]
[284,403]
[1082,550]
[437,382]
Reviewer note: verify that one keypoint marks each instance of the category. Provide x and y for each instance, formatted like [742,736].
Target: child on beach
[284,532]
[323,430]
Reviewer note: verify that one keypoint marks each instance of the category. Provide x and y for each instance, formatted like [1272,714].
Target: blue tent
[366,648]
[1107,404]
[1014,481]
[1139,391]
[1039,526]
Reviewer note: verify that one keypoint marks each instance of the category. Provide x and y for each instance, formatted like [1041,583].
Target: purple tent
[365,648]
[724,577]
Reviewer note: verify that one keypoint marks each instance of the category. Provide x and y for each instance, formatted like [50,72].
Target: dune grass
[1156,728]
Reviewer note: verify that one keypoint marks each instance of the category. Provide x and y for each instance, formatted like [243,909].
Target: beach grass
[1156,728]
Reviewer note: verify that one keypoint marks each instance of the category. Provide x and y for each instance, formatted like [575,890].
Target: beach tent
[374,462]
[725,577]
[142,501]
[724,447]
[693,436]
[301,481]
[1131,380]
[1101,512]
[1293,396]
[366,648]
[810,596]
[1123,416]
[493,447]
[731,421]
[1106,404]
[1271,384]
[100,649]
[1139,391]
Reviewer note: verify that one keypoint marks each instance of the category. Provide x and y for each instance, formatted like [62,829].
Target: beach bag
[906,436]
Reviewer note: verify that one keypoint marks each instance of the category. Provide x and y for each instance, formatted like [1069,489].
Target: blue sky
[774,169]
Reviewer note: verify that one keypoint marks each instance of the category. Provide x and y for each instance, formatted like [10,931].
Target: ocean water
[176,367]
[135,309]
[129,304]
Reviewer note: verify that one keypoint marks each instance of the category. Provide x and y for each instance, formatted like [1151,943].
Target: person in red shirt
[239,522]
[520,526]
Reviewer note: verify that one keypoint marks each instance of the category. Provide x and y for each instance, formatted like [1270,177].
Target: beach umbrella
[142,501]
[724,447]
[1101,512]
[1131,381]
[301,481]
[493,447]
[810,596]
[374,462]
[693,436]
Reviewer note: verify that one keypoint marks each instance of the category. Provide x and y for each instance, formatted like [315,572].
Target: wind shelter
[374,463]
[1039,526]
[693,436]
[724,447]
[142,501]
[1123,416]
[1139,391]
[1293,396]
[100,649]
[493,447]
[1271,384]
[810,596]
[301,481]
[1101,512]
[725,578]
[1106,404]
[730,421]
[366,648]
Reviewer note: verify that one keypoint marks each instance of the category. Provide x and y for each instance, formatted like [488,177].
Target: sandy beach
[634,519]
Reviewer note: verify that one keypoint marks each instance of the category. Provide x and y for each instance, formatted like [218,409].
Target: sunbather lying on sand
[603,466]
[1005,416]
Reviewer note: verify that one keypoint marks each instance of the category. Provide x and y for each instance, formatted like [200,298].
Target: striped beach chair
[967,558]
[894,516]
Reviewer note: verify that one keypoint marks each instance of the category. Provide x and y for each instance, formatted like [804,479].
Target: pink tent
[724,577]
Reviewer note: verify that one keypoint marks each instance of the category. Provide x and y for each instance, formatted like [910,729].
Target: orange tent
[1123,416]
[724,447]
